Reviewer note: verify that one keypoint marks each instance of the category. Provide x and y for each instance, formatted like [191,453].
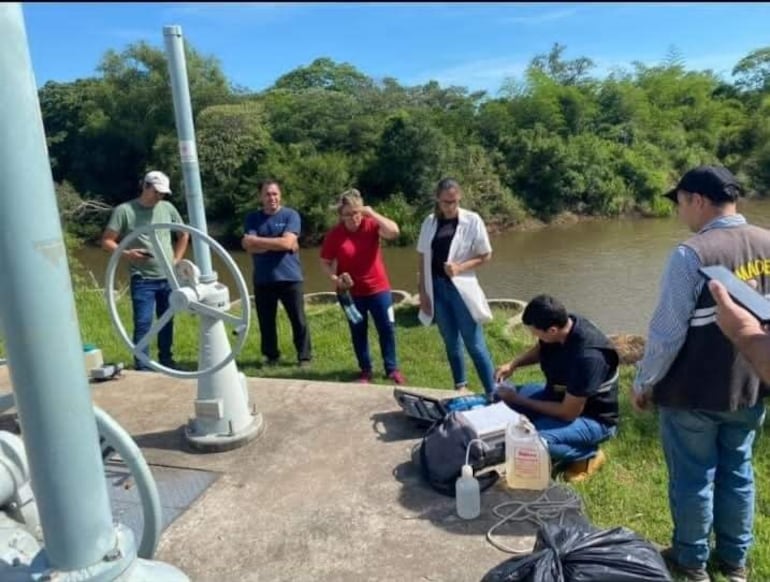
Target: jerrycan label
[526,462]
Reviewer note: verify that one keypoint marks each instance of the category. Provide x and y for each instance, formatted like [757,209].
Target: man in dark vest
[708,397]
[577,408]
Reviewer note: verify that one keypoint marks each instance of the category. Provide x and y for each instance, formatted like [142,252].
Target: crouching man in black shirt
[577,407]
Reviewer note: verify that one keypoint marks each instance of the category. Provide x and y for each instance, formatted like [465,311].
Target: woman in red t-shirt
[351,257]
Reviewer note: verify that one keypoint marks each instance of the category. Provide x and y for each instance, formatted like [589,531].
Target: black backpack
[442,454]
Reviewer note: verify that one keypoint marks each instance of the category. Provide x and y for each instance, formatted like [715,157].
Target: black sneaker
[272,362]
[732,573]
[171,363]
[688,573]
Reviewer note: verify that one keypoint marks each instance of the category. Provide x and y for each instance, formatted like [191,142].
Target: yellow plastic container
[527,462]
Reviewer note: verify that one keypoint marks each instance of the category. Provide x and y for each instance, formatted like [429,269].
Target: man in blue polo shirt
[272,241]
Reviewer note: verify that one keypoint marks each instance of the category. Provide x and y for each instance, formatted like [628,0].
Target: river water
[607,270]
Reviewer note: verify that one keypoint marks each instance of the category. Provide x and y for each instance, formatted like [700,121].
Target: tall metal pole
[222,417]
[188,151]
[39,323]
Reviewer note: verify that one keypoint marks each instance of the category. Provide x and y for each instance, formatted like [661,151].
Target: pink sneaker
[364,377]
[397,377]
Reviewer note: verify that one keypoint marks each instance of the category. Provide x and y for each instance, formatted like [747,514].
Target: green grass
[631,489]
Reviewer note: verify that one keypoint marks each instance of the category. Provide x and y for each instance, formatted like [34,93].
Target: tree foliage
[556,140]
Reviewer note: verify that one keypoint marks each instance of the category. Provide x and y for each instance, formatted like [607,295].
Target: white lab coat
[470,240]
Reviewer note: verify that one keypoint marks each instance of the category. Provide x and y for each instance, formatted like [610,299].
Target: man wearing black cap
[708,397]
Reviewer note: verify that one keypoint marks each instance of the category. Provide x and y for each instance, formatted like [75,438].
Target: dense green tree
[233,145]
[103,131]
[411,157]
[326,75]
[556,140]
[752,72]
[328,120]
[564,72]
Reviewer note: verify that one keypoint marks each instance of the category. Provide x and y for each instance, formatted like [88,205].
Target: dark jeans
[380,305]
[290,294]
[148,295]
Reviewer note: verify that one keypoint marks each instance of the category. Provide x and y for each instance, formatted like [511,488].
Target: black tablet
[741,292]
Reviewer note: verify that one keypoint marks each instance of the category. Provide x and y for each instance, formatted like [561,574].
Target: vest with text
[709,373]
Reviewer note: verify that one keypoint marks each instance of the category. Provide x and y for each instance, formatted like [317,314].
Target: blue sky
[473,45]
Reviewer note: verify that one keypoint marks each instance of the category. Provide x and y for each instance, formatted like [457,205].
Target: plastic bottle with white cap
[467,491]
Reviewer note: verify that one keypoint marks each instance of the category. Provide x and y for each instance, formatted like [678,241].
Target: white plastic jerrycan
[527,462]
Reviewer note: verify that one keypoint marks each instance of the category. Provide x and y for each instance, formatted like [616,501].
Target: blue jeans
[568,441]
[380,305]
[458,328]
[710,481]
[147,294]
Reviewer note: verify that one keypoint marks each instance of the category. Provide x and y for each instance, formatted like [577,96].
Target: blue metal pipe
[39,323]
[117,437]
[180,91]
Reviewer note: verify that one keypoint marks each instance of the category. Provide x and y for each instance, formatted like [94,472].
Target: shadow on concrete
[425,503]
[394,425]
[174,440]
[347,374]
[170,440]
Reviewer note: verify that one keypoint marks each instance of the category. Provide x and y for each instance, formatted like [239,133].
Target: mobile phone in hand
[741,292]
[145,252]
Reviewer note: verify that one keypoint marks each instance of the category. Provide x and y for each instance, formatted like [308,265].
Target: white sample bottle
[468,494]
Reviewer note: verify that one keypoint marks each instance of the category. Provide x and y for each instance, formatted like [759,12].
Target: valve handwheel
[187,294]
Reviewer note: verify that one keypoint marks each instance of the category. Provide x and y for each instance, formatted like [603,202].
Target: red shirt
[358,253]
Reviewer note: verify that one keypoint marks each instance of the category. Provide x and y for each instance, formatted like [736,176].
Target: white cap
[467,471]
[158,180]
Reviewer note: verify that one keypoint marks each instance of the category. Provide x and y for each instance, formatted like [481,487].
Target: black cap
[714,182]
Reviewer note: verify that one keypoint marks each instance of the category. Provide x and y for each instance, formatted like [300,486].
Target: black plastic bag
[576,552]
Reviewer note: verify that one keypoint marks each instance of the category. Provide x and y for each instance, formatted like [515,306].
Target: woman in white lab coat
[452,243]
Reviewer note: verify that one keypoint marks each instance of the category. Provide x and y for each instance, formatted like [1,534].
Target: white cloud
[135,34]
[235,12]
[483,74]
[720,63]
[208,7]
[549,16]
[489,74]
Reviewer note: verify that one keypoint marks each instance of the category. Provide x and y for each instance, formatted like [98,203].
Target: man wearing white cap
[149,288]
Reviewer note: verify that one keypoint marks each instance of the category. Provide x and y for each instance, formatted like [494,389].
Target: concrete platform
[328,492]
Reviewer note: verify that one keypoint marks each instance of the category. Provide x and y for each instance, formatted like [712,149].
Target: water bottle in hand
[351,311]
